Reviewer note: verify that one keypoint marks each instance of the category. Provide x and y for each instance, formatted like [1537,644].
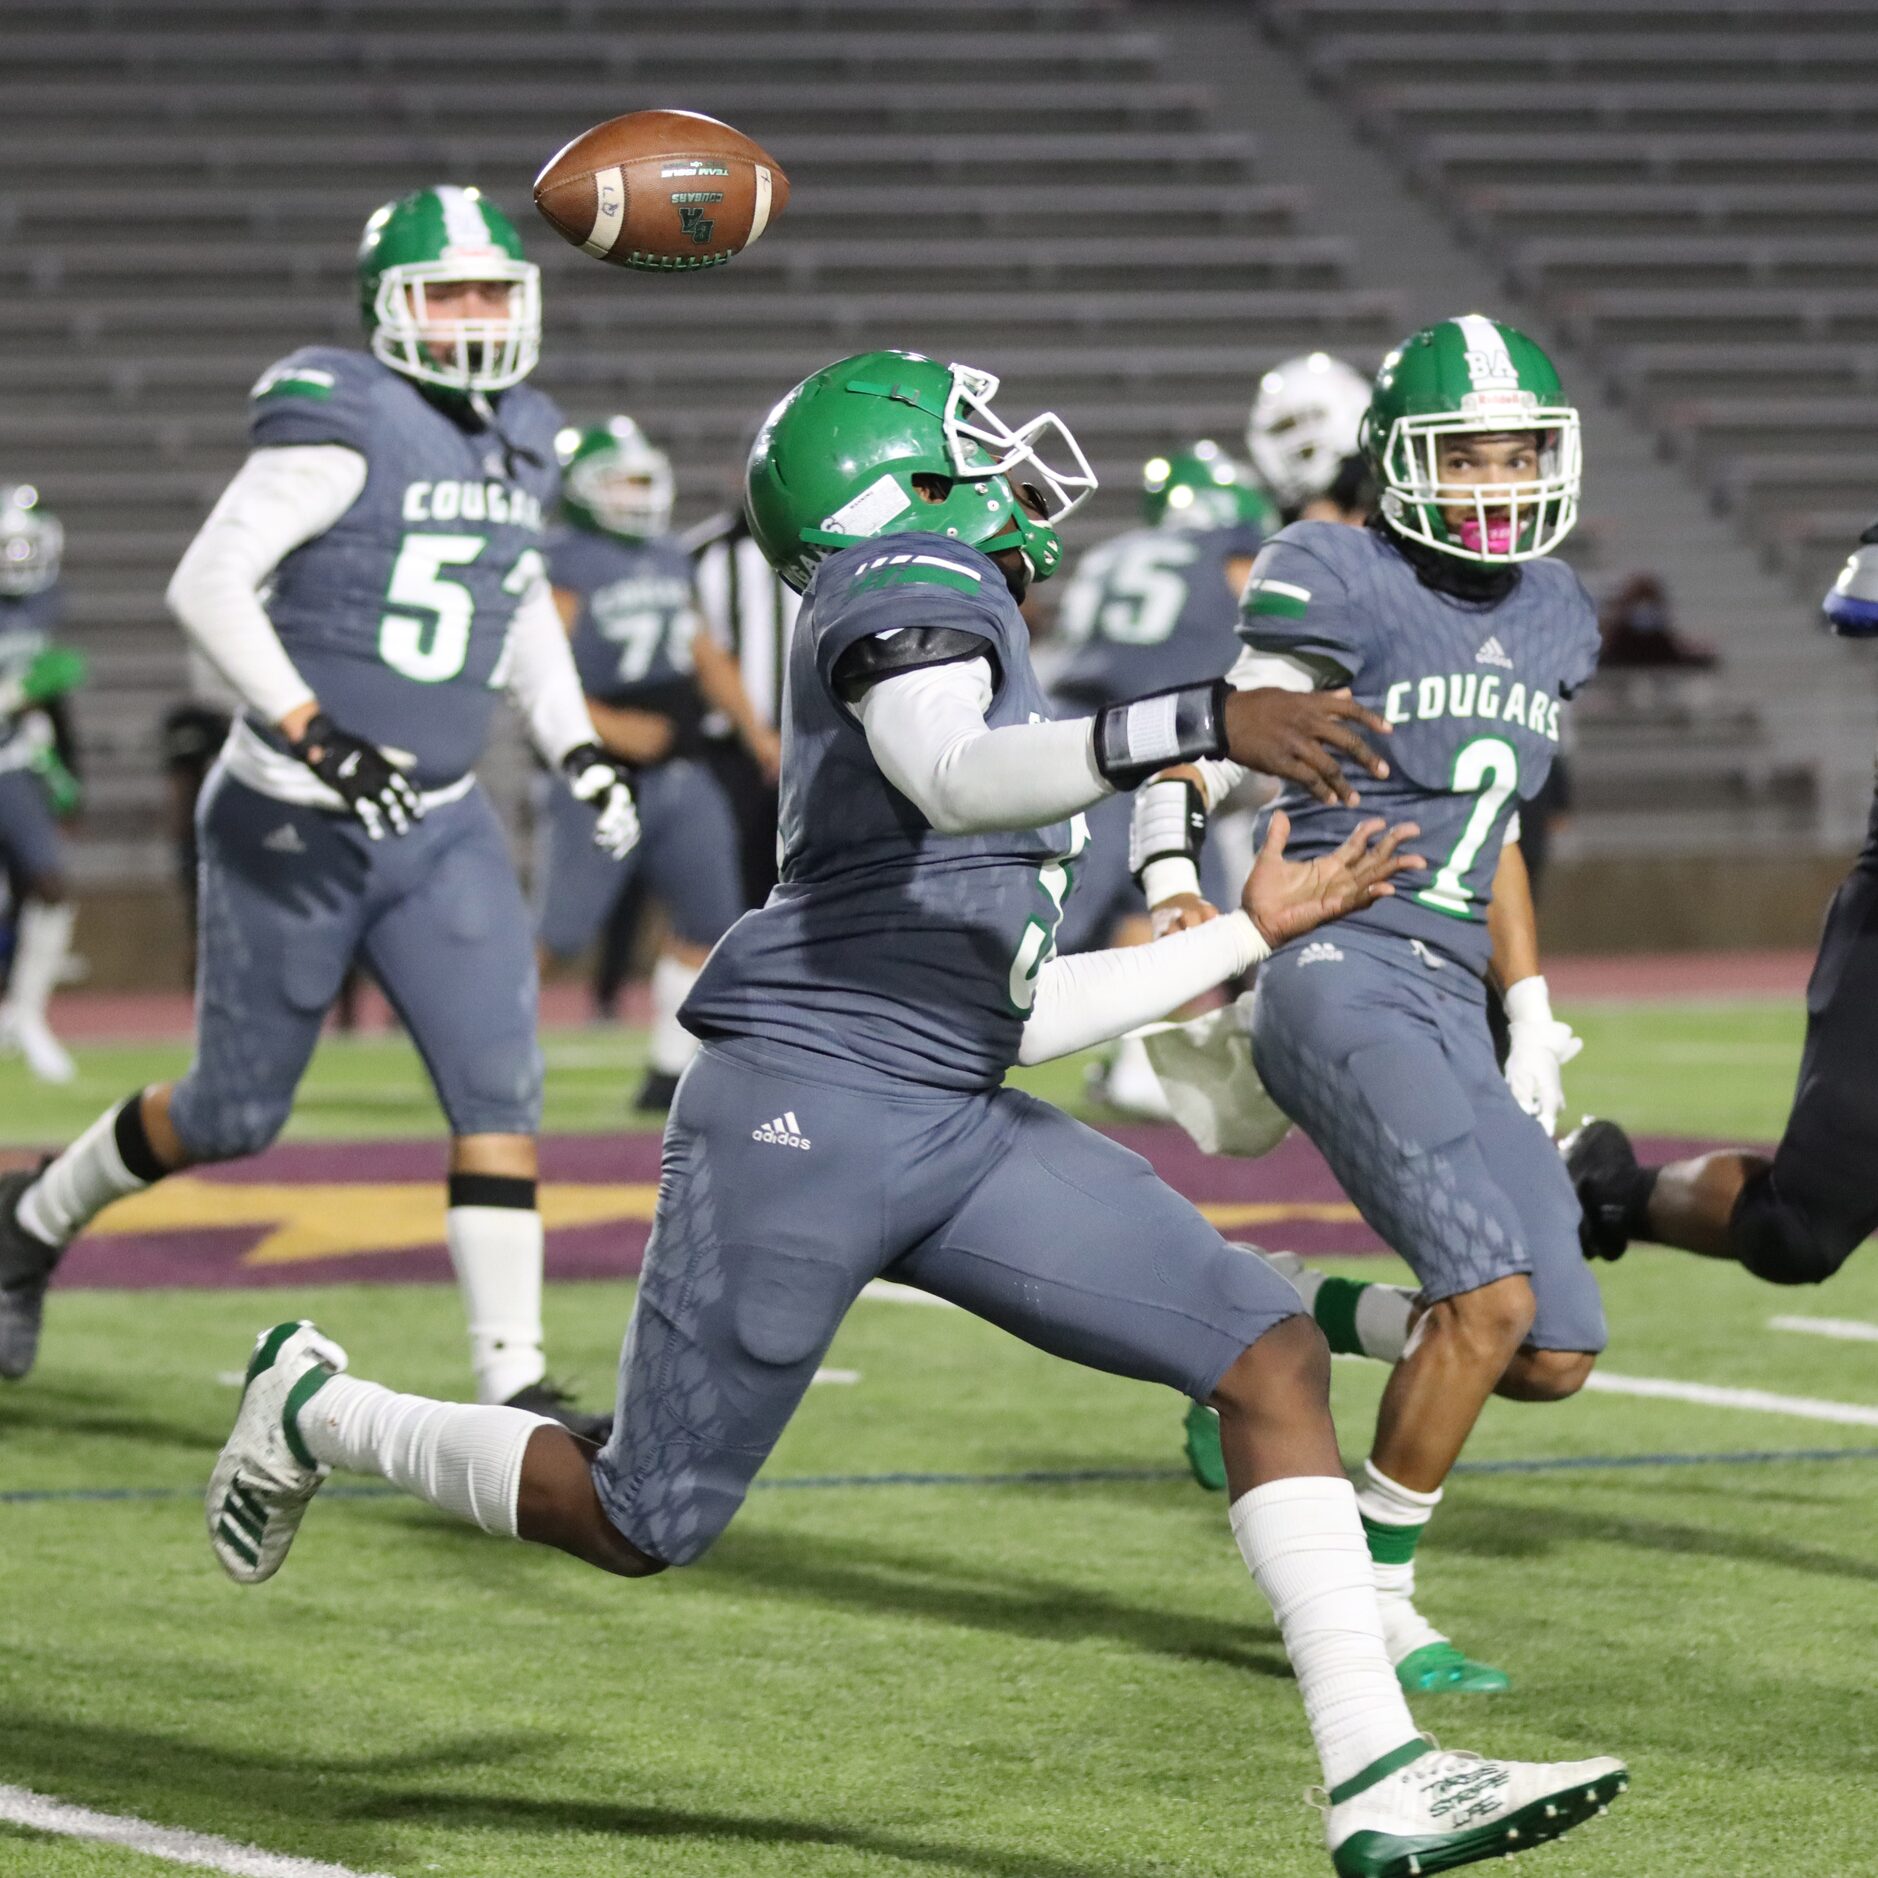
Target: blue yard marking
[1063,1477]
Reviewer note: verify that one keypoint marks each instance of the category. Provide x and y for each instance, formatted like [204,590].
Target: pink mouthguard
[1498,537]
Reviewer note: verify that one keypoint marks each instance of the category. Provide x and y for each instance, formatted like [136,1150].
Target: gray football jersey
[1149,610]
[399,614]
[632,638]
[898,952]
[1473,690]
[26,623]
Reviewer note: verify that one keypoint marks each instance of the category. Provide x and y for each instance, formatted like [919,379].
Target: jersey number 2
[1489,765]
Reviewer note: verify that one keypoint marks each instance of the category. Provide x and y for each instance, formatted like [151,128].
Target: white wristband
[1161,880]
[1528,1002]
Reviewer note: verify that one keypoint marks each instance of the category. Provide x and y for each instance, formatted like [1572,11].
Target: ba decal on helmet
[617,479]
[836,461]
[1202,487]
[1304,423]
[1472,377]
[433,237]
[32,542]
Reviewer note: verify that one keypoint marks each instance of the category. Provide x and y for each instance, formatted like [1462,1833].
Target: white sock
[79,1184]
[672,1045]
[45,936]
[1303,1543]
[497,1253]
[1393,1512]
[462,1459]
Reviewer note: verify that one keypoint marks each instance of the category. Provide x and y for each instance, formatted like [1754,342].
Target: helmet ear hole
[930,486]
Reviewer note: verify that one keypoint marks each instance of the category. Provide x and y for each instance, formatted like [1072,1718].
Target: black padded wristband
[1134,740]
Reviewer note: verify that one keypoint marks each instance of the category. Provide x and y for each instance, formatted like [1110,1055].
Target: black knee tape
[509,1190]
[133,1142]
[1777,1242]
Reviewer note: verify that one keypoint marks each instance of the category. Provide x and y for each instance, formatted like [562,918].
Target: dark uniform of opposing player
[1794,1219]
[625,588]
[393,507]
[1444,617]
[36,784]
[845,1116]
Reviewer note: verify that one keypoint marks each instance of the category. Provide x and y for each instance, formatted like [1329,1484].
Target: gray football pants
[29,834]
[1387,1064]
[290,897]
[687,854]
[783,1193]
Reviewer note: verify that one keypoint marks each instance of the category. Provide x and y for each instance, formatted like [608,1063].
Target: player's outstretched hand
[1286,898]
[362,775]
[1179,912]
[605,784]
[1298,735]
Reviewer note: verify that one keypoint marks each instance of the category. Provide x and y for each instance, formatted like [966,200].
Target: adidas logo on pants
[783,1132]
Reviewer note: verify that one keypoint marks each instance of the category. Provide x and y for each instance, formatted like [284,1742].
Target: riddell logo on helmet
[784,1132]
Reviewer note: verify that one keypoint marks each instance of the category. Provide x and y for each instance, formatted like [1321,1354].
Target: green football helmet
[1472,376]
[1201,487]
[837,461]
[32,542]
[616,480]
[448,234]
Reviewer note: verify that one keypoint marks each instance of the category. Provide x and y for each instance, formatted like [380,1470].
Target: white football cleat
[264,1476]
[1435,1810]
[31,1035]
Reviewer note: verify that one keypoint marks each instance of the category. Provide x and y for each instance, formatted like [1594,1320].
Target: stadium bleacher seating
[1685,189]
[183,189]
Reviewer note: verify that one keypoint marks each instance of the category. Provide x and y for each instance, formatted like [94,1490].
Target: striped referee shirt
[748,609]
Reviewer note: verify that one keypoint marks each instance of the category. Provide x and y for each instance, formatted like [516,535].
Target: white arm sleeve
[1220,776]
[543,681]
[927,731]
[278,500]
[1098,995]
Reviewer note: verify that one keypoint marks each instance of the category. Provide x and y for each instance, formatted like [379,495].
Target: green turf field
[1015,1681]
[1699,1069]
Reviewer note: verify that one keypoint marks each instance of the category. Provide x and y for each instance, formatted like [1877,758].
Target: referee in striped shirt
[752,613]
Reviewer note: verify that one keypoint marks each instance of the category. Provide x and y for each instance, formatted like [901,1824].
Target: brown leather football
[662,190]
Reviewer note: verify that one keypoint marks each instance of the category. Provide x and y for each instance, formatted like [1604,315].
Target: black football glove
[374,789]
[604,783]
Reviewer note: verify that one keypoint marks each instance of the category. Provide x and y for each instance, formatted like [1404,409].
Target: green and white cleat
[264,1476]
[1424,1810]
[1200,1442]
[1441,1669]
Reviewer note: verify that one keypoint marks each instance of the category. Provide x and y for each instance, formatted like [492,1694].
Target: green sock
[1334,1307]
[1390,1545]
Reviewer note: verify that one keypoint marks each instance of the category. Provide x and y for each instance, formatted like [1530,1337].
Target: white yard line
[1803,1407]
[1846,1329]
[201,1849]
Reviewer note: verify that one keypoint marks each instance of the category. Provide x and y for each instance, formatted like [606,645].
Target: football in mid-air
[662,190]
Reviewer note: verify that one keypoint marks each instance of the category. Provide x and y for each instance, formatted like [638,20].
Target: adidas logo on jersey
[784,1132]
[1319,952]
[284,840]
[1493,653]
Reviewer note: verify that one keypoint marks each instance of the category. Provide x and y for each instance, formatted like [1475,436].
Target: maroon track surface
[1293,1177]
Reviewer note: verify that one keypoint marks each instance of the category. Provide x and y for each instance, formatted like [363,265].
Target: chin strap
[1444,573]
